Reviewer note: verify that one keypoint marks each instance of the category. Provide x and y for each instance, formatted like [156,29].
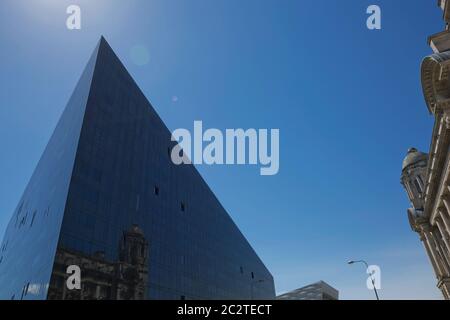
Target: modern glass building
[106,197]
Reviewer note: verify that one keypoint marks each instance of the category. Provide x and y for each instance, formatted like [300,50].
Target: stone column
[446,203]
[442,246]
[445,218]
[64,289]
[432,254]
[438,245]
[443,233]
[97,292]
[444,286]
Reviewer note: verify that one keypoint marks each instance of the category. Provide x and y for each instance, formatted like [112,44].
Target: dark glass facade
[106,196]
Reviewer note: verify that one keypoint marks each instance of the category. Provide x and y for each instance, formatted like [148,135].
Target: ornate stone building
[426,177]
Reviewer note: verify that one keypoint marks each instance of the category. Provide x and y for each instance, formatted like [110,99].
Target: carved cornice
[434,77]
[417,220]
[440,42]
[445,6]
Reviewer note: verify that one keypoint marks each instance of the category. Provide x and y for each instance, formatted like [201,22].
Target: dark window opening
[253,275]
[182,297]
[183,207]
[420,180]
[23,220]
[156,190]
[26,288]
[242,270]
[419,189]
[32,219]
[23,292]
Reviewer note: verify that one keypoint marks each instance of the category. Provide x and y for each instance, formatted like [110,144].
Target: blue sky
[347,101]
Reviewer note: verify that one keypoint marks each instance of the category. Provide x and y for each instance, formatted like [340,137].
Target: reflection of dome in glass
[414,156]
[136,230]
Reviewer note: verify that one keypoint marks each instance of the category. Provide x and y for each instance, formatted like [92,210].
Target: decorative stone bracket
[435,81]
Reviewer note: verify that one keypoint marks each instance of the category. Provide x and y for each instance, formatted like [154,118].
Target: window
[32,219]
[26,288]
[183,207]
[156,190]
[418,187]
[419,178]
[23,220]
[253,275]
[182,297]
[242,270]
[23,292]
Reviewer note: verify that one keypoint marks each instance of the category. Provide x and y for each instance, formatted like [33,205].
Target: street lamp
[367,267]
[252,284]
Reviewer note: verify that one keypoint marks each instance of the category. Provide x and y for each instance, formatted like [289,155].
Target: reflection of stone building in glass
[316,291]
[426,178]
[125,279]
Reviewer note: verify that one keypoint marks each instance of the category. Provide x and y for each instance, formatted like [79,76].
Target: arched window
[418,186]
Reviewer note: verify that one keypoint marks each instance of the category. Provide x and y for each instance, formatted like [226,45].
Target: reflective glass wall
[140,226]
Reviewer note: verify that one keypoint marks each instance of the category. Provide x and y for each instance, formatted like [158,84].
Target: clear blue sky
[347,101]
